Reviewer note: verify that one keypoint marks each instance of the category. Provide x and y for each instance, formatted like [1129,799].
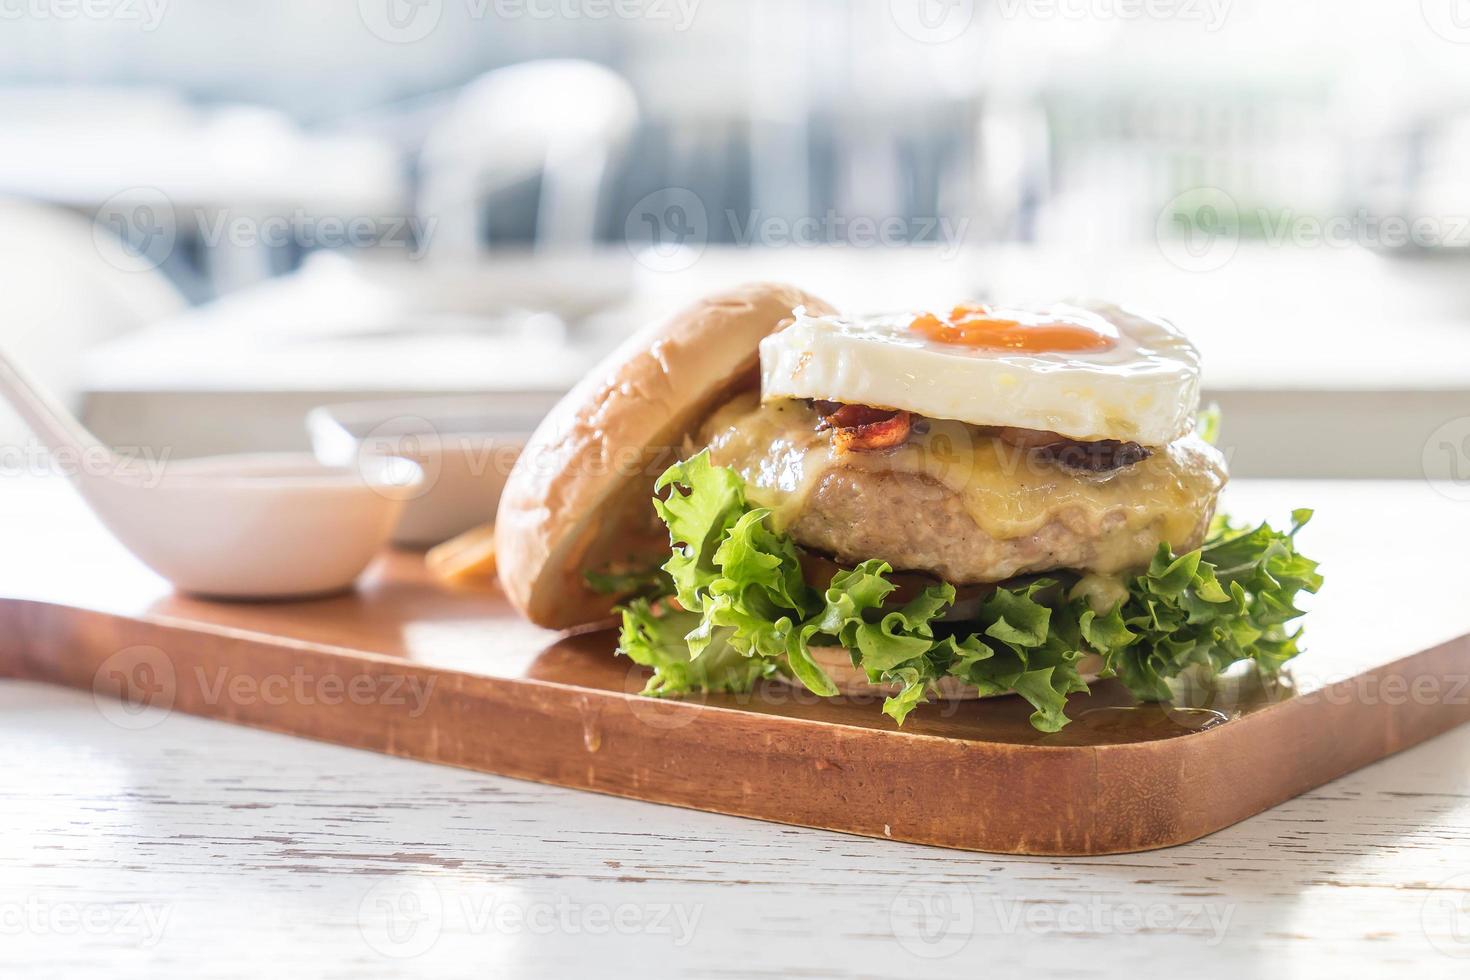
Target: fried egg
[1087,372]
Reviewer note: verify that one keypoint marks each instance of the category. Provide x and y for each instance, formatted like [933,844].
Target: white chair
[66,289]
[565,120]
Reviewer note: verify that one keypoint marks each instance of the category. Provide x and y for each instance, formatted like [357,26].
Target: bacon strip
[862,428]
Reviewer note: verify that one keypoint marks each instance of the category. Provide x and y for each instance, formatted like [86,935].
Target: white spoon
[240,527]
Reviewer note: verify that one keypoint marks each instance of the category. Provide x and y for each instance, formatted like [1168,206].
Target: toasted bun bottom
[853,681]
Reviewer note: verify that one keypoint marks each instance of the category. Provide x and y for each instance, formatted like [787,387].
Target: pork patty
[917,524]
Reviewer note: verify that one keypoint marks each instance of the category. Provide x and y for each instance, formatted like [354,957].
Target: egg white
[1144,388]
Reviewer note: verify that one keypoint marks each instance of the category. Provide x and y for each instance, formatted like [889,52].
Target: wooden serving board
[408,667]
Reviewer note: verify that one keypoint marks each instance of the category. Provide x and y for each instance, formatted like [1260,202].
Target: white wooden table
[195,849]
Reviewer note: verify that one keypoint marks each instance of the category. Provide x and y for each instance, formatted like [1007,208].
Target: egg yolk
[974,325]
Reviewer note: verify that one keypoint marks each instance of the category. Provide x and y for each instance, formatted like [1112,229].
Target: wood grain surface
[195,850]
[406,667]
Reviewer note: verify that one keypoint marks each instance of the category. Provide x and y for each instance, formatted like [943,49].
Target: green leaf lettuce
[742,610]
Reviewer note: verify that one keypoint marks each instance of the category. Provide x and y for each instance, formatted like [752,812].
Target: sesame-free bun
[579,497]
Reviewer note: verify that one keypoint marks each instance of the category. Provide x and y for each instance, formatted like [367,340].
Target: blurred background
[216,216]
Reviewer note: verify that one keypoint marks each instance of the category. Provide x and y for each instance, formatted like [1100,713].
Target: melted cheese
[1008,492]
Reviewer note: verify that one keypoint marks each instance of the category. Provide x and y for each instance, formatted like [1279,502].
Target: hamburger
[974,502]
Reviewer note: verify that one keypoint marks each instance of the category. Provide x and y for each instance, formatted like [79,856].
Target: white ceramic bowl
[266,526]
[465,445]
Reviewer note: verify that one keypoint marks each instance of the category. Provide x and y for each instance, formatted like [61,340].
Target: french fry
[470,555]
